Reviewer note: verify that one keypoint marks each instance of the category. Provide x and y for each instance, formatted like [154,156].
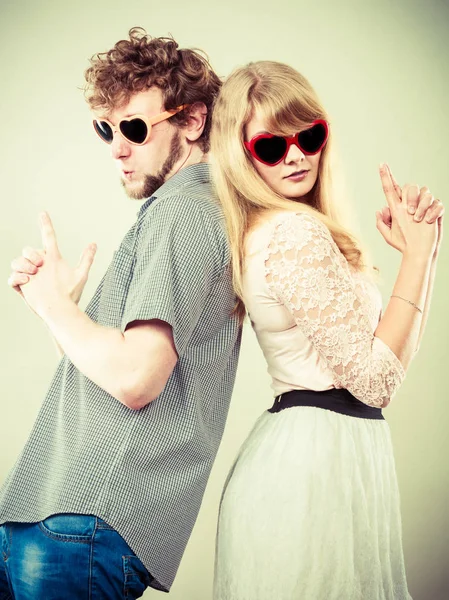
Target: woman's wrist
[418,258]
[408,301]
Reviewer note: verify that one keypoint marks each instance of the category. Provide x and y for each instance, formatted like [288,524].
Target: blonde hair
[288,103]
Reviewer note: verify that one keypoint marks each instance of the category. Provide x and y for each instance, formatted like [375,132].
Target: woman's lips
[297,175]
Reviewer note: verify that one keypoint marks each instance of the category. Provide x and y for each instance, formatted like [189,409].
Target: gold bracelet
[409,301]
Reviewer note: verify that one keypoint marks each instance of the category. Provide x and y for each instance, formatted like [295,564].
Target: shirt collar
[197,173]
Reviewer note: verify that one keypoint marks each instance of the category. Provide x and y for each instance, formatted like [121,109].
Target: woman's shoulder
[296,220]
[277,225]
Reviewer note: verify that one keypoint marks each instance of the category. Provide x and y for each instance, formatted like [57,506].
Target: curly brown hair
[184,76]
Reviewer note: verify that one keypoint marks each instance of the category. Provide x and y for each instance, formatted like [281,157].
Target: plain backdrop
[380,68]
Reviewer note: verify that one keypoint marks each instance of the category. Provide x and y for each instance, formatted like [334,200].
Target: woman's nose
[294,154]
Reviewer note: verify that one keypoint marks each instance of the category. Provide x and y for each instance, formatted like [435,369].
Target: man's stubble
[153,182]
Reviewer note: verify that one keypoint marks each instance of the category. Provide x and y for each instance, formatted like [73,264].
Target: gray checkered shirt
[144,472]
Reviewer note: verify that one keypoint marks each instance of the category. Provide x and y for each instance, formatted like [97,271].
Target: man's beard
[153,182]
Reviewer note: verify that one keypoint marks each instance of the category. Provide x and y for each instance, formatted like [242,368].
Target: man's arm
[27,265]
[164,302]
[133,366]
[59,350]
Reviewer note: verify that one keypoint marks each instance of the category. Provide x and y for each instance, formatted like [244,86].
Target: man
[105,494]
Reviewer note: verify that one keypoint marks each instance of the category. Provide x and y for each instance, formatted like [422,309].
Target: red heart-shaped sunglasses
[271,149]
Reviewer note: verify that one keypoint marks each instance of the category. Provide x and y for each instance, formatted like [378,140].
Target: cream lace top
[313,315]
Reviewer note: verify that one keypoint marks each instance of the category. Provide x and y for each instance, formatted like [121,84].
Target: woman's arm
[308,274]
[421,204]
[425,315]
[402,324]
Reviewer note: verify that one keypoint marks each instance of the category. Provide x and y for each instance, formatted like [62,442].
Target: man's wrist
[54,307]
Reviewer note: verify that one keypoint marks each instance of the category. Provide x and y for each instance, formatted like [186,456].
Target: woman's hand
[412,221]
[421,210]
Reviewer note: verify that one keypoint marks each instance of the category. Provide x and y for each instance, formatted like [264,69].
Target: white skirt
[310,511]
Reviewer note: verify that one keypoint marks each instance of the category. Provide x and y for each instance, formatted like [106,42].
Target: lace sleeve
[306,272]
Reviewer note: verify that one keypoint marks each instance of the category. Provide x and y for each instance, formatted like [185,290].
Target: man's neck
[193,156]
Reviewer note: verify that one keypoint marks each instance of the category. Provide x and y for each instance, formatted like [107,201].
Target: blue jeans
[68,556]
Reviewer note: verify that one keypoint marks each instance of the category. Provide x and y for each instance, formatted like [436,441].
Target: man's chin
[134,189]
[138,189]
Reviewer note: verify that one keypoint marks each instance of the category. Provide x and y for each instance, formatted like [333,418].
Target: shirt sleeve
[306,272]
[179,257]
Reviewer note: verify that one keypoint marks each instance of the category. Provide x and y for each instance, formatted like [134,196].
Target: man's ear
[195,122]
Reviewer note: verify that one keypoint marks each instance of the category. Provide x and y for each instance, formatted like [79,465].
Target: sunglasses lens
[311,140]
[270,150]
[104,131]
[135,130]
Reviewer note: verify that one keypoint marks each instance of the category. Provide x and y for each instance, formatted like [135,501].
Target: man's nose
[120,148]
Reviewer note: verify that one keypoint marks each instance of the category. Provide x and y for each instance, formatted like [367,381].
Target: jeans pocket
[69,528]
[136,578]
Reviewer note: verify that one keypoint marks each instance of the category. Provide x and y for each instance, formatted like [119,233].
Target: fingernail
[418,218]
[411,210]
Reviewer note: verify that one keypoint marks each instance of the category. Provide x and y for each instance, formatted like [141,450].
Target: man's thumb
[87,258]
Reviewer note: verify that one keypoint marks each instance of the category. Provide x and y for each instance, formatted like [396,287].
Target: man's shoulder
[195,203]
[199,197]
[188,215]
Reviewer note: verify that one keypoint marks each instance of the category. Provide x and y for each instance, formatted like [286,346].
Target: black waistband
[337,400]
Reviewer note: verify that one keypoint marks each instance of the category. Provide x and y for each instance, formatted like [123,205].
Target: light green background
[381,69]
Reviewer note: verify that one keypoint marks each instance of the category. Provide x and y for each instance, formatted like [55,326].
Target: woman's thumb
[382,227]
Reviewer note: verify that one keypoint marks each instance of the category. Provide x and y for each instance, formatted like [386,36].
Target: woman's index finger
[396,185]
[388,187]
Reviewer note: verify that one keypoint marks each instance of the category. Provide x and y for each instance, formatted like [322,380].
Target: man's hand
[42,276]
[24,266]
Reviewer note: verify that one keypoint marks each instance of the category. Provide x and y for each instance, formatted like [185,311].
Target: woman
[310,509]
